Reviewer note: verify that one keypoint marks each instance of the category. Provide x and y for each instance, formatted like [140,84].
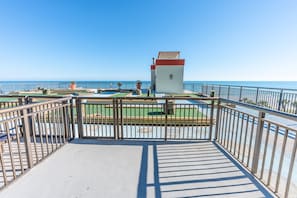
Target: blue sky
[116,40]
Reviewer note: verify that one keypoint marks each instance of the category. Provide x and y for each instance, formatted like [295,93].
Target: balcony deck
[98,168]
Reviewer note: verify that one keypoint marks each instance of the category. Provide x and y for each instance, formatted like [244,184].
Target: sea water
[9,86]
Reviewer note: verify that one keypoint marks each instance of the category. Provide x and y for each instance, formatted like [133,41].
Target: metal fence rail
[266,147]
[257,137]
[145,118]
[30,133]
[10,101]
[284,100]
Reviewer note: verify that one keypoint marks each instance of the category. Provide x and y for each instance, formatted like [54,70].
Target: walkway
[92,168]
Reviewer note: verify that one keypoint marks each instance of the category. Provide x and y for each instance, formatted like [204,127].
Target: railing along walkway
[266,147]
[279,99]
[29,133]
[92,168]
[20,164]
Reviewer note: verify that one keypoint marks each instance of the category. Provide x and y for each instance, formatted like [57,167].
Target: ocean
[9,86]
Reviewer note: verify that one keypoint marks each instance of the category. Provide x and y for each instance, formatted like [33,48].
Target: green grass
[158,112]
[140,111]
[8,99]
[126,94]
[119,95]
[184,95]
[38,94]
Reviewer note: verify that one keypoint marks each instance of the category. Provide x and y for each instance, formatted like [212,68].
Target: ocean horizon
[9,86]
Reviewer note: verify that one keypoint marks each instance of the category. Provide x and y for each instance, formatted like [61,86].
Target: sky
[254,40]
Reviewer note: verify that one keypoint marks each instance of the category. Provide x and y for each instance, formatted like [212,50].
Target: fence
[284,100]
[29,133]
[145,118]
[259,138]
[266,147]
[10,101]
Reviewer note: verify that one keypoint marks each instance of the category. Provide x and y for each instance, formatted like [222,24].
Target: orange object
[72,86]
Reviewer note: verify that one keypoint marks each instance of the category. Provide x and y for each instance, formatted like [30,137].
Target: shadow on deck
[107,168]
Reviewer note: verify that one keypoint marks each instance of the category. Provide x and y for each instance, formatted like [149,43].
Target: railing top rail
[248,114]
[291,129]
[11,96]
[250,106]
[18,108]
[126,98]
[33,96]
[254,87]
[263,109]
[147,98]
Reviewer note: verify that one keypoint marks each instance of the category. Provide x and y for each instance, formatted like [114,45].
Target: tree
[119,85]
[138,87]
[138,84]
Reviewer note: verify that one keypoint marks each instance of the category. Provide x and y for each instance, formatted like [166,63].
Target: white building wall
[166,84]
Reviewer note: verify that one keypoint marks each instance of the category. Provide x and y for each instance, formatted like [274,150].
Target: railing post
[228,94]
[240,94]
[79,117]
[166,117]
[280,100]
[258,141]
[257,95]
[218,117]
[219,95]
[27,137]
[20,101]
[28,100]
[65,120]
[212,93]
[115,118]
[202,88]
[72,118]
[121,119]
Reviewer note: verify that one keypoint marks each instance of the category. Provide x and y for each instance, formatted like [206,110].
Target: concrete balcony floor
[108,168]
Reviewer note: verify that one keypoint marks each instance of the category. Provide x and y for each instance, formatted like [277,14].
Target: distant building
[167,73]
[153,77]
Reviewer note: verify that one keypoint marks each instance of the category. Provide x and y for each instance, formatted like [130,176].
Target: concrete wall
[166,84]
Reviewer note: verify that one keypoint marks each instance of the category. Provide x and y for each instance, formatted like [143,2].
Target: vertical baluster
[265,150]
[281,161]
[273,155]
[292,162]
[10,149]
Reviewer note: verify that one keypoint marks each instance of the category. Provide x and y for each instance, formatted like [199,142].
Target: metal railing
[261,139]
[8,101]
[263,144]
[284,100]
[29,133]
[145,118]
